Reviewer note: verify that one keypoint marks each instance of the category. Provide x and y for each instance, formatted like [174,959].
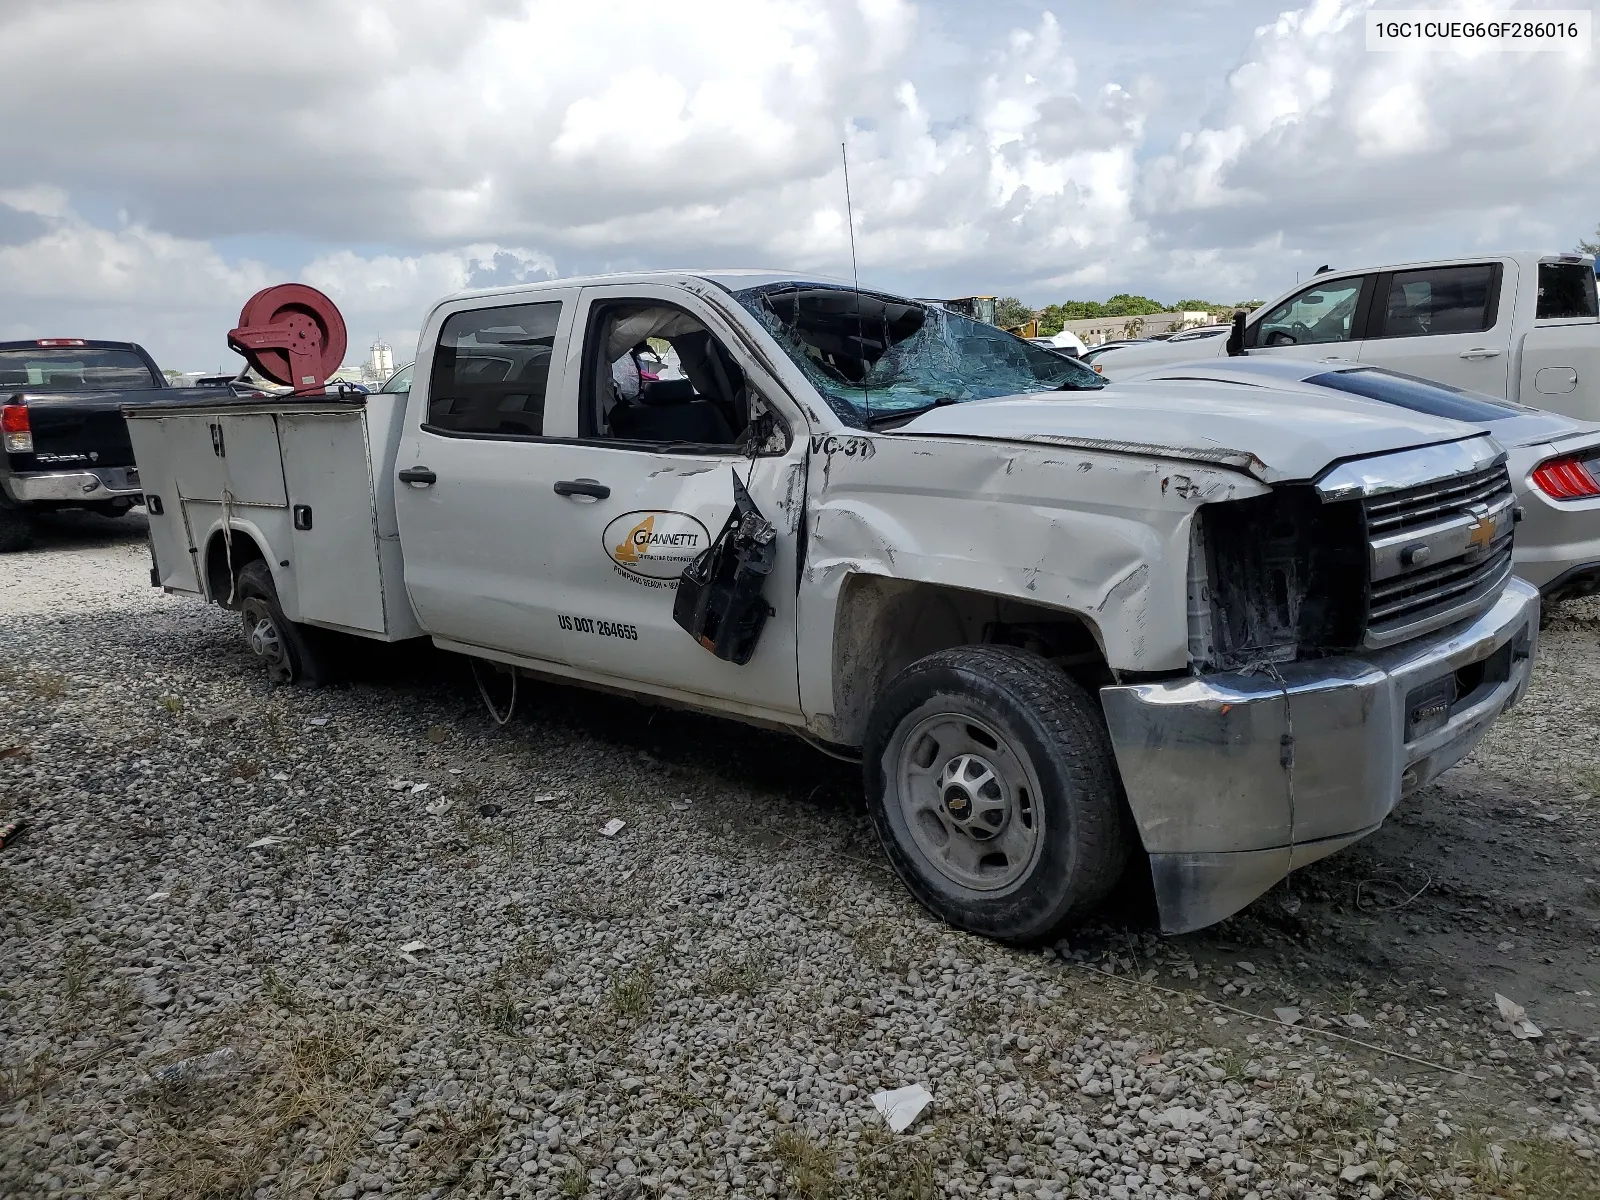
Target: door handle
[1480,352]
[418,475]
[582,487]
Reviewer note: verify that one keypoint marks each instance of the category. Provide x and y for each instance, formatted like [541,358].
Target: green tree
[1009,311]
[1124,305]
[1196,306]
[1590,246]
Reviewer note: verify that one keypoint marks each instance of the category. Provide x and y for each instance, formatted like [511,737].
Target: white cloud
[392,151]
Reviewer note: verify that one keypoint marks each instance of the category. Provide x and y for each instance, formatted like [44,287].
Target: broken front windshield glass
[875,357]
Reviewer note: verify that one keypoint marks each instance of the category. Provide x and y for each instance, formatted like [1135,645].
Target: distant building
[381,363]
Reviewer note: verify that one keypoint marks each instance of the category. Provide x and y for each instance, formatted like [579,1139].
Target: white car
[1522,327]
[1057,623]
[1554,460]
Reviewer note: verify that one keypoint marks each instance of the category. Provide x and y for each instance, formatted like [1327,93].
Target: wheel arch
[883,624]
[221,564]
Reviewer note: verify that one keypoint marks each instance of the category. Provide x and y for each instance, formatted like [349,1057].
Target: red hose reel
[291,334]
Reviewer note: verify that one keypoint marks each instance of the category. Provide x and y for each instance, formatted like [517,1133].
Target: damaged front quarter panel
[1098,534]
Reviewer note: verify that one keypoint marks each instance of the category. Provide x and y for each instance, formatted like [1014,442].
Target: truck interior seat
[669,410]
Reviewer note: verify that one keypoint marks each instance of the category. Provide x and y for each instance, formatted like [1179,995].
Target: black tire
[16,528]
[1064,794]
[292,653]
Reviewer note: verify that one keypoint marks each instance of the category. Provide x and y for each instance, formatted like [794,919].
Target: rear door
[1559,366]
[475,471]
[1321,321]
[1448,323]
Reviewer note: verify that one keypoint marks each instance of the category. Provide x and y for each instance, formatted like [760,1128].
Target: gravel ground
[279,943]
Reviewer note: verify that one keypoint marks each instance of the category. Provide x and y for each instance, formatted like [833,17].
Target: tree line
[1011,312]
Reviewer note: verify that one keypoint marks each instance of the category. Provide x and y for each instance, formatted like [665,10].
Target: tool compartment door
[334,564]
[156,454]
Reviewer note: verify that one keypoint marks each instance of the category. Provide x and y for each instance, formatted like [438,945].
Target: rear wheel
[292,653]
[992,784]
[16,528]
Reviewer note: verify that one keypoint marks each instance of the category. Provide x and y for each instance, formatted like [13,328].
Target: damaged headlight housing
[1276,578]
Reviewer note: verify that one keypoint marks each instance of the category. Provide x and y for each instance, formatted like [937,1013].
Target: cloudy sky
[162,159]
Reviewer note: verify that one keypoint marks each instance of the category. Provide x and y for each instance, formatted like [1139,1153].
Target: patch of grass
[452,1138]
[173,704]
[574,1182]
[810,1170]
[501,999]
[49,686]
[1526,1170]
[633,994]
[746,975]
[891,1169]
[213,1135]
[278,990]
[23,1079]
[243,768]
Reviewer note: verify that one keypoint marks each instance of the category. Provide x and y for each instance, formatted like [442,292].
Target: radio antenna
[855,274]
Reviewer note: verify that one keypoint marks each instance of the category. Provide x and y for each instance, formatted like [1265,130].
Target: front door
[1321,322]
[1449,324]
[648,479]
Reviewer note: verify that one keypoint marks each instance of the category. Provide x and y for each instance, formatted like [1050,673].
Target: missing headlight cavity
[1286,575]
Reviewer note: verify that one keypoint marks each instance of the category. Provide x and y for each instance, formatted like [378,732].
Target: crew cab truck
[63,443]
[1057,627]
[1523,327]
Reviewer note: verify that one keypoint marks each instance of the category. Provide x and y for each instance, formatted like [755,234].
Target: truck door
[474,473]
[647,470]
[1451,324]
[1321,321]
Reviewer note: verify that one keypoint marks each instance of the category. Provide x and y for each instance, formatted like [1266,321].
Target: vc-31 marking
[851,447]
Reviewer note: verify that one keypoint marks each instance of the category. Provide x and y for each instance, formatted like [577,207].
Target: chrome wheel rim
[968,797]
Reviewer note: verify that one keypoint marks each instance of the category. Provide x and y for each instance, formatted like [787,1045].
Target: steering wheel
[1297,333]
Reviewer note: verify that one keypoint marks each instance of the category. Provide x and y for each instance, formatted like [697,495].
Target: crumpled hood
[1275,437]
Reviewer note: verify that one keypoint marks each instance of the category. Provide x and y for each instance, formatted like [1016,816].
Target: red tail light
[1567,479]
[15,430]
[60,342]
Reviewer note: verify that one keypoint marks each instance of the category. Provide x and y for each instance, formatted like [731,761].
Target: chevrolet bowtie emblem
[1482,532]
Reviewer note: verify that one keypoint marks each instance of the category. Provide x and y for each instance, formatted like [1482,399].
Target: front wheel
[291,653]
[992,784]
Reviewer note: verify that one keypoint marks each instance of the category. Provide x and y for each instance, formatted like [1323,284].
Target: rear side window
[1566,290]
[1419,395]
[75,369]
[1439,300]
[490,370]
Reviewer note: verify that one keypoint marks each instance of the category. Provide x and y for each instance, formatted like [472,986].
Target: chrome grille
[1439,551]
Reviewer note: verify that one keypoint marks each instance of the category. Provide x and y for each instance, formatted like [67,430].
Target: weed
[748,974]
[243,768]
[24,1079]
[811,1170]
[574,1183]
[1527,1170]
[278,990]
[454,1138]
[173,704]
[48,685]
[74,973]
[890,1169]
[632,995]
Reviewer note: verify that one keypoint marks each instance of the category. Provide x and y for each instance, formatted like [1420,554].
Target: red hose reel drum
[293,335]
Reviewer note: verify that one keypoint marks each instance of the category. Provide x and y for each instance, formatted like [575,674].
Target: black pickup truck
[64,441]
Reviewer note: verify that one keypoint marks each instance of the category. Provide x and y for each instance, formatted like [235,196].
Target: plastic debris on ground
[280,777]
[681,805]
[201,1066]
[901,1107]
[319,721]
[543,798]
[437,808]
[263,842]
[612,827]
[488,809]
[1355,1021]
[158,895]
[410,949]
[1517,1017]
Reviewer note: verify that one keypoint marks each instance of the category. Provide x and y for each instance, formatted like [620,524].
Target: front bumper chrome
[1209,762]
[73,487]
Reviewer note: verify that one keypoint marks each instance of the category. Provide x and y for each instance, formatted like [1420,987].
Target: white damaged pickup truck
[1055,623]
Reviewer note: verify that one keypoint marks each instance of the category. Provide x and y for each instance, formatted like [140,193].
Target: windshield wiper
[905,414]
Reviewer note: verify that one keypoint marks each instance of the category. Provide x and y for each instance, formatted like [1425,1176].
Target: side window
[1317,315]
[400,382]
[654,374]
[1438,300]
[490,370]
[1566,290]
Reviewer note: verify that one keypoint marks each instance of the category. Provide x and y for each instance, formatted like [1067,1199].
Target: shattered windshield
[875,357]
